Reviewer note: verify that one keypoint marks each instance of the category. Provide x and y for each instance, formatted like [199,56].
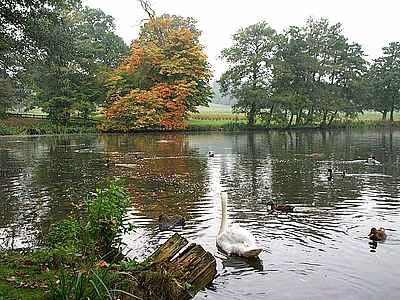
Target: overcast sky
[373,24]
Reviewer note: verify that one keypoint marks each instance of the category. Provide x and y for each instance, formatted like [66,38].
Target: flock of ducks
[235,240]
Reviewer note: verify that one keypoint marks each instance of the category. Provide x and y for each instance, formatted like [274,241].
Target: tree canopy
[55,53]
[165,76]
[72,79]
[308,73]
[66,59]
[249,73]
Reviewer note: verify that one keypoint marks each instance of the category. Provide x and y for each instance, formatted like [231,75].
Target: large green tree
[384,77]
[72,78]
[249,73]
[24,36]
[315,70]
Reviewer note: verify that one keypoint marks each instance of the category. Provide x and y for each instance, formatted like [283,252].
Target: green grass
[22,276]
[375,116]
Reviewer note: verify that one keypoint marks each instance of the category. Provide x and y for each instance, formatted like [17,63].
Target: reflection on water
[321,250]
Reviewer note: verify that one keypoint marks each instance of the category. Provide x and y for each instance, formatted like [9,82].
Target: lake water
[320,251]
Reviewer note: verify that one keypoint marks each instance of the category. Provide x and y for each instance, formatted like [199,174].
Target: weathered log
[169,249]
[180,274]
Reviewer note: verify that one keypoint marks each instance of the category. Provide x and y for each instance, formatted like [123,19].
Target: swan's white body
[233,239]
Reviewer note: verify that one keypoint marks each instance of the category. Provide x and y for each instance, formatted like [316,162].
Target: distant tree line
[308,75]
[67,59]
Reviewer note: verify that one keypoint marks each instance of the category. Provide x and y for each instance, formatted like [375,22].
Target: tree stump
[178,273]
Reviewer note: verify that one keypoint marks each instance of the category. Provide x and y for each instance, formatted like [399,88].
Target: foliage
[71,78]
[307,74]
[384,78]
[105,214]
[165,75]
[163,106]
[25,36]
[95,234]
[248,77]
[15,126]
[7,94]
[83,286]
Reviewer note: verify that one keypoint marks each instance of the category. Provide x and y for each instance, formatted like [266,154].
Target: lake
[321,250]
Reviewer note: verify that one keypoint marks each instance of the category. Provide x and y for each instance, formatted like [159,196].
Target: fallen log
[177,272]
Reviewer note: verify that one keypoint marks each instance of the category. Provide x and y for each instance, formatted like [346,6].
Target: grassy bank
[215,118]
[32,126]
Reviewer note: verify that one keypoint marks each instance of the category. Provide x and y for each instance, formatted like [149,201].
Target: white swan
[233,239]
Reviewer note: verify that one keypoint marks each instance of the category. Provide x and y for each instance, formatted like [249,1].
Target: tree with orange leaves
[165,76]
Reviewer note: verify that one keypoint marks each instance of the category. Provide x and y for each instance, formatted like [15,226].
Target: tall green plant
[97,232]
[105,214]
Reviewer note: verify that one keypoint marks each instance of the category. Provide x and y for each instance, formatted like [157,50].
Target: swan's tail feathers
[251,253]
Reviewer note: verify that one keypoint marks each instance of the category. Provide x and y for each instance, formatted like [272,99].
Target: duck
[210,154]
[138,156]
[233,239]
[280,207]
[377,234]
[168,222]
[371,160]
[330,174]
[108,163]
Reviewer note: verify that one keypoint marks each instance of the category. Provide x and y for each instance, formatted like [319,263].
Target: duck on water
[280,207]
[377,234]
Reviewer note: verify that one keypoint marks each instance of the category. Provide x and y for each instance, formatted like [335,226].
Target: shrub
[96,233]
[105,214]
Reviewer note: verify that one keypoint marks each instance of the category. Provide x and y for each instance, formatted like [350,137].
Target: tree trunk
[299,117]
[310,115]
[271,111]
[332,118]
[173,268]
[251,116]
[392,110]
[323,122]
[291,119]
[384,115]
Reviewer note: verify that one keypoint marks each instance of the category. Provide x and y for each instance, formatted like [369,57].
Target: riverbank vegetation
[82,258]
[67,60]
[74,263]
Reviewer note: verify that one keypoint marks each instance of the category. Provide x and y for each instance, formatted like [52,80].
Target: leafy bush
[105,214]
[96,233]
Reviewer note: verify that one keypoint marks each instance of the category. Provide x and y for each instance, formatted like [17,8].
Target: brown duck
[280,207]
[377,234]
[168,222]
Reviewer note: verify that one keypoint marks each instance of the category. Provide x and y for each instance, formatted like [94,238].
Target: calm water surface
[319,251]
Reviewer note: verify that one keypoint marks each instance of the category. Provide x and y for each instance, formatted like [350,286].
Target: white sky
[373,24]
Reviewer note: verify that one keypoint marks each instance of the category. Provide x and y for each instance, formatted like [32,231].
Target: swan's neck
[224,199]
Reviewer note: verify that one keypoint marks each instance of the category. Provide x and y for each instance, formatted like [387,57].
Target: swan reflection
[242,263]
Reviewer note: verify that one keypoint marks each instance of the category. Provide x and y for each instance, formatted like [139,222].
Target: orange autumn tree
[165,76]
